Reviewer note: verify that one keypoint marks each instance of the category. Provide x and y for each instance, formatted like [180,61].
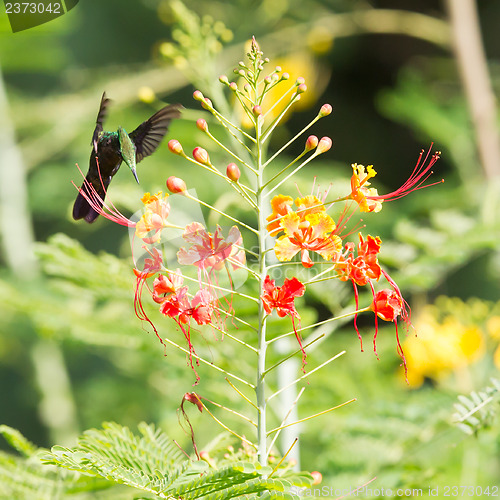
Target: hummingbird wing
[148,135]
[101,116]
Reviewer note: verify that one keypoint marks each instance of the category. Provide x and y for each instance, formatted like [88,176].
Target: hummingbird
[110,149]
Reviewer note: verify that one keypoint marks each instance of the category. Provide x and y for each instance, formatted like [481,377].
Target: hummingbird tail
[82,208]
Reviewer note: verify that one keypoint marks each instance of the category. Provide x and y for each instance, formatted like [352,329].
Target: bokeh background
[399,76]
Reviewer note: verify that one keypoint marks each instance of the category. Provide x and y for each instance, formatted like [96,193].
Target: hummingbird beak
[135,175]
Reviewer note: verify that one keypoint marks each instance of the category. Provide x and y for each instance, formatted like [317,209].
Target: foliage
[477,410]
[445,242]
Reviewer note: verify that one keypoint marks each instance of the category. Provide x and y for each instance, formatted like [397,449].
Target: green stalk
[262,343]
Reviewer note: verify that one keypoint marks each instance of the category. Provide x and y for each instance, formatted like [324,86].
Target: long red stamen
[356,299]
[416,180]
[98,204]
[376,320]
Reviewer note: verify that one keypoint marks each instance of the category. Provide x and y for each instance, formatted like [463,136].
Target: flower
[154,218]
[365,266]
[387,305]
[307,229]
[444,345]
[360,191]
[369,200]
[210,251]
[282,299]
[281,206]
[175,303]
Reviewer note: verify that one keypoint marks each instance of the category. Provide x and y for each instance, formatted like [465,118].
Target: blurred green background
[72,352]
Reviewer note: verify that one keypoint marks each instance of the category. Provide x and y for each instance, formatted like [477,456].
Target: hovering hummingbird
[109,149]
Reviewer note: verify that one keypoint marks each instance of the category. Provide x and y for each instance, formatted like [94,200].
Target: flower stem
[262,342]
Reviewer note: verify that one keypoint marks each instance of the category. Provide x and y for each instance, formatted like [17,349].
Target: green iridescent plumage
[109,149]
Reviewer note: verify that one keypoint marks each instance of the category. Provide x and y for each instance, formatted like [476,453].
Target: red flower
[282,299]
[365,266]
[388,305]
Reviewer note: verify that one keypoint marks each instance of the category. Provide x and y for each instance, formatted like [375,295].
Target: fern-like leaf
[477,410]
[151,463]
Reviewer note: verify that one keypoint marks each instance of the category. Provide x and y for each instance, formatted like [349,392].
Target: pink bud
[176,185]
[233,86]
[317,477]
[202,125]
[285,76]
[206,103]
[324,145]
[204,455]
[257,110]
[325,110]
[277,69]
[233,172]
[301,88]
[267,80]
[300,81]
[175,147]
[201,156]
[223,79]
[311,143]
[198,96]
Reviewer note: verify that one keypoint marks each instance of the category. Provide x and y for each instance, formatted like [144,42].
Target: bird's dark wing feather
[101,116]
[148,135]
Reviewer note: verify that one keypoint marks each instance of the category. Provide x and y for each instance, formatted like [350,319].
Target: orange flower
[309,229]
[370,201]
[154,218]
[313,233]
[281,206]
[360,191]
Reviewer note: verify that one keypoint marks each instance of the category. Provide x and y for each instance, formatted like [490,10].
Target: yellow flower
[441,347]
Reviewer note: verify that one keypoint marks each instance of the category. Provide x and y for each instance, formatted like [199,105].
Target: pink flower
[210,251]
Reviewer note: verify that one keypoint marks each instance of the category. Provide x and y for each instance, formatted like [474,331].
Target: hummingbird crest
[110,149]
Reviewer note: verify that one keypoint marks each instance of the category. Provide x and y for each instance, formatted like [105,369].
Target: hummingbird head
[127,149]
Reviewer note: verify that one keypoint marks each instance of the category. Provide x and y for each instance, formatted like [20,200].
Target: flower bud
[233,172]
[175,147]
[325,110]
[176,185]
[300,81]
[324,145]
[285,76]
[257,110]
[241,72]
[233,86]
[201,156]
[317,477]
[247,88]
[277,69]
[268,80]
[206,103]
[198,96]
[202,125]
[223,79]
[311,143]
[301,88]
